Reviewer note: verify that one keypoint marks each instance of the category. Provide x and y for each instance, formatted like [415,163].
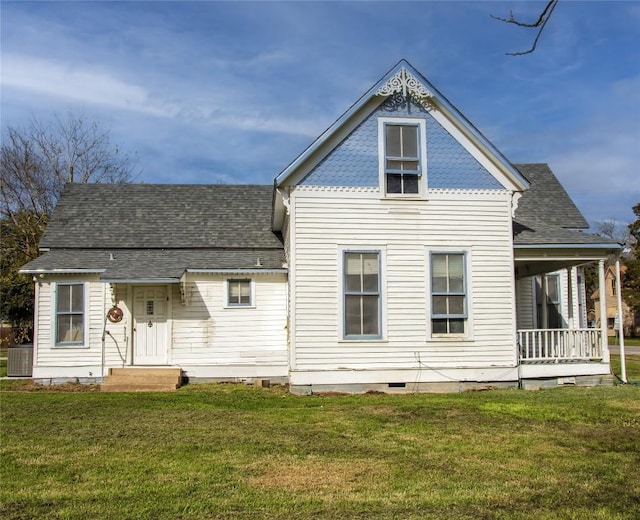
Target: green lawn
[239,452]
[631,342]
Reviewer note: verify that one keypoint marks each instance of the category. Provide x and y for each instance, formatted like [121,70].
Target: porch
[554,336]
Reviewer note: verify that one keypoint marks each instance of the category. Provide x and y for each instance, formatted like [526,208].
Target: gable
[354,162]
[400,83]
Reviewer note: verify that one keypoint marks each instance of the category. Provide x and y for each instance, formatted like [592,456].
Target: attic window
[402,156]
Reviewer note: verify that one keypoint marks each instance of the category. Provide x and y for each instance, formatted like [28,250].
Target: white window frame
[467,335]
[382,327]
[422,147]
[56,314]
[231,305]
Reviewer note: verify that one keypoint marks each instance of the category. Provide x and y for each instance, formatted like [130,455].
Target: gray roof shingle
[151,231]
[105,216]
[129,264]
[546,215]
[546,201]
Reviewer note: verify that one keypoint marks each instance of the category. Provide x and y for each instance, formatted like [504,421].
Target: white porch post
[544,311]
[603,312]
[570,297]
[623,366]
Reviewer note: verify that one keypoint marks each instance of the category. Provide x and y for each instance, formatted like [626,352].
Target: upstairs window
[448,293]
[70,314]
[402,156]
[239,293]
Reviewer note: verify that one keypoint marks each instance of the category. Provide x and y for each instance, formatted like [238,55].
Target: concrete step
[162,371]
[139,379]
[137,387]
[142,378]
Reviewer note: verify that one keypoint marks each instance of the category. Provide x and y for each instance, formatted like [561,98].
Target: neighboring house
[401,251]
[611,304]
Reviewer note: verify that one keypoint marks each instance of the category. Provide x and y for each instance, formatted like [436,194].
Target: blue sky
[231,92]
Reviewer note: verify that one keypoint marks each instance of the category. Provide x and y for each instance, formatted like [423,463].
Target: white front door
[150,340]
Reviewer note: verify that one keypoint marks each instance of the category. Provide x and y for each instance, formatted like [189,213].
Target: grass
[632,363]
[239,452]
[629,342]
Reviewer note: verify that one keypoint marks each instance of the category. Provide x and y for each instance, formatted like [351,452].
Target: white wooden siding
[208,332]
[89,353]
[204,332]
[327,221]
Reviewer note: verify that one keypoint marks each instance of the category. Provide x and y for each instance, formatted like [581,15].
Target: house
[630,322]
[401,251]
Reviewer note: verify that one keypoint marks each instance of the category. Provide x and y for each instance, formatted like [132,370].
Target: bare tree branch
[36,162]
[540,24]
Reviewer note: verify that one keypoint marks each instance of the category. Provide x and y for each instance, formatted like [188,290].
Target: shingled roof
[546,201]
[151,232]
[546,215]
[169,216]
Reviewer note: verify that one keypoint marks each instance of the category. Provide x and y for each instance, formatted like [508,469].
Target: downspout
[623,366]
[104,334]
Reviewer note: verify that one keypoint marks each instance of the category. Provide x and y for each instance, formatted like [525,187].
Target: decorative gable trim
[403,82]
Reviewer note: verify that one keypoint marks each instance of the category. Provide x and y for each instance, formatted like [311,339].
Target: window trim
[227,300]
[420,123]
[343,336]
[56,314]
[468,314]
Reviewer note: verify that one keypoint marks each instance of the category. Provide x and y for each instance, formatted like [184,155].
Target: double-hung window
[402,156]
[448,293]
[239,293]
[362,294]
[70,314]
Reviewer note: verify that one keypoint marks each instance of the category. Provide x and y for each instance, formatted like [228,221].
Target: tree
[631,280]
[35,164]
[539,24]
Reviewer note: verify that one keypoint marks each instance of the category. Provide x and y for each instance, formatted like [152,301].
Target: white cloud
[226,107]
[64,80]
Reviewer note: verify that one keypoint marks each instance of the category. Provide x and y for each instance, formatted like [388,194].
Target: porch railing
[560,344]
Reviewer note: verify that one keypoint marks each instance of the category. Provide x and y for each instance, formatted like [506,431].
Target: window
[239,293]
[362,294]
[402,155]
[448,293]
[554,319]
[70,314]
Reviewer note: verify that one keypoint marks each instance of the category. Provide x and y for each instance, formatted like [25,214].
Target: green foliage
[631,280]
[20,236]
[239,452]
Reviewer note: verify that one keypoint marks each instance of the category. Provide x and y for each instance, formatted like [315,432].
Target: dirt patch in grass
[26,385]
[315,474]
